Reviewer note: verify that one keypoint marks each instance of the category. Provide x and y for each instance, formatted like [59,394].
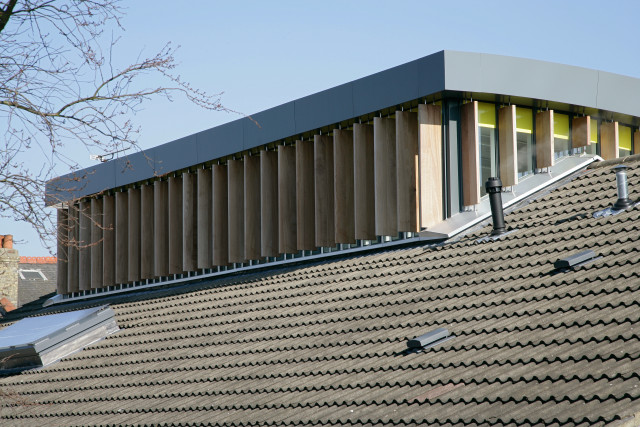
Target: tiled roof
[30,290]
[324,343]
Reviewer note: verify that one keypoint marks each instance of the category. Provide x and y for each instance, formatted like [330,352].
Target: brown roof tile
[325,343]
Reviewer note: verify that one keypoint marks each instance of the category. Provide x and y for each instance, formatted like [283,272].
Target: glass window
[593,147]
[561,145]
[524,140]
[487,140]
[624,141]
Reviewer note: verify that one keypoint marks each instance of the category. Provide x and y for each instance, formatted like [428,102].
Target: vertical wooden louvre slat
[343,173]
[384,140]
[407,145]
[470,154]
[364,182]
[269,203]
[430,152]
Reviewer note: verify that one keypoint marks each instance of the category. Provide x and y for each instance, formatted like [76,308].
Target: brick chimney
[9,259]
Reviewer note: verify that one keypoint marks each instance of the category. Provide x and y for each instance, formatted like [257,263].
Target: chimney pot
[623,201]
[494,189]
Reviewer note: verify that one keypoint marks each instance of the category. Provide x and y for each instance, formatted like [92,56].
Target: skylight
[35,342]
[32,275]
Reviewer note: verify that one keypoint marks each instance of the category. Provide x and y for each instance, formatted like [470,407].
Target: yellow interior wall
[560,126]
[624,135]
[594,130]
[524,120]
[486,115]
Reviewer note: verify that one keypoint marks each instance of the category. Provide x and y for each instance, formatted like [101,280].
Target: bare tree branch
[61,91]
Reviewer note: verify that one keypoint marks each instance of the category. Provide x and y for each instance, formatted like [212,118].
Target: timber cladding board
[343,184]
[146,231]
[84,245]
[580,131]
[507,143]
[219,215]
[134,235]
[324,198]
[470,154]
[287,201]
[305,196]
[252,207]
[269,203]
[407,145]
[109,240]
[235,215]
[175,224]
[384,141]
[189,221]
[62,250]
[161,228]
[430,172]
[636,142]
[204,219]
[544,139]
[97,243]
[122,236]
[609,140]
[364,182]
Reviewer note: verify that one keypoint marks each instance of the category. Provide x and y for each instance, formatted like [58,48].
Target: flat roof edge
[445,70]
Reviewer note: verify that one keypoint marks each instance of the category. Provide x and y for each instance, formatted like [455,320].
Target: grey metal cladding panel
[473,72]
[386,88]
[619,93]
[220,141]
[87,181]
[324,108]
[175,155]
[461,71]
[134,167]
[431,74]
[270,125]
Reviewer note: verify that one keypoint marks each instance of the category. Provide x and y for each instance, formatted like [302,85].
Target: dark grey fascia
[484,76]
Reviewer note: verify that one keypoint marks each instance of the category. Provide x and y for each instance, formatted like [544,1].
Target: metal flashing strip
[465,220]
[494,238]
[204,274]
[610,211]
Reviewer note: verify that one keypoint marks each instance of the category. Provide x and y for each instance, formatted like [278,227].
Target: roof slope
[323,343]
[32,289]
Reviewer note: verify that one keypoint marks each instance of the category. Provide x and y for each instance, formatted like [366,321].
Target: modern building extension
[336,265]
[390,156]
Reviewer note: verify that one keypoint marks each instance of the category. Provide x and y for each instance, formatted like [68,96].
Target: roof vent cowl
[494,189]
[623,201]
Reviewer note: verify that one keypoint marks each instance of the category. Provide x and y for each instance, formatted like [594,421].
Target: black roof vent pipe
[623,201]
[494,189]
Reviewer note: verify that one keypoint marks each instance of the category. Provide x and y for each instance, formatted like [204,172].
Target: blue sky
[262,54]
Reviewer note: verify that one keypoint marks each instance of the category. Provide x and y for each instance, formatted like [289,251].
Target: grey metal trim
[492,75]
